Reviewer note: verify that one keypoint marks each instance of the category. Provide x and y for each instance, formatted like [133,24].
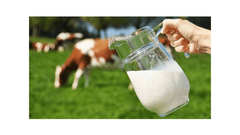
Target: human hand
[187,37]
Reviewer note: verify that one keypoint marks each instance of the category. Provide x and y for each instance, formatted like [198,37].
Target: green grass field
[108,96]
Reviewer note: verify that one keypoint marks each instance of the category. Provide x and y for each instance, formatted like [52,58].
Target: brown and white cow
[58,45]
[64,38]
[86,53]
[68,36]
[41,47]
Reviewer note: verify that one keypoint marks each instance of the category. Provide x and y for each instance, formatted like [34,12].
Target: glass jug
[159,82]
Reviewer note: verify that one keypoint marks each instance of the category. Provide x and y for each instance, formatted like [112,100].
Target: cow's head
[60,77]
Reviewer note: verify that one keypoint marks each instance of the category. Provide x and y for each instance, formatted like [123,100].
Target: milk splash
[161,90]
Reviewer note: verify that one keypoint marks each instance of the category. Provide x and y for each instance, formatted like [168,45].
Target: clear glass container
[158,80]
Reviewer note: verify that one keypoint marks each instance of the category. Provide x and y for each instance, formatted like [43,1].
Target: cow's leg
[46,48]
[60,48]
[86,75]
[77,75]
[82,68]
[66,45]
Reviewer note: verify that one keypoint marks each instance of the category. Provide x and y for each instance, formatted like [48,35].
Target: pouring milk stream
[158,80]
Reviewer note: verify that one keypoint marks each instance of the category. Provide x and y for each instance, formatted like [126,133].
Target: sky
[112,31]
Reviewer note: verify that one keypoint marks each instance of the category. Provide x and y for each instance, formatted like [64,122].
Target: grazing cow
[86,53]
[41,47]
[64,38]
[164,40]
[68,36]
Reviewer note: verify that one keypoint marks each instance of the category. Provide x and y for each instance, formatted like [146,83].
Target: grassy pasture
[107,96]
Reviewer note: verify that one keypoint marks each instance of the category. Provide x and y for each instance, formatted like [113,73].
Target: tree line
[51,26]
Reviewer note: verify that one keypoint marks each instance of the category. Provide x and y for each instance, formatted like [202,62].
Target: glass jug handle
[158,30]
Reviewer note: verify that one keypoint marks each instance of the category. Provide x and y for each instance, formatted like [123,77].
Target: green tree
[98,23]
[139,22]
[49,24]
[35,23]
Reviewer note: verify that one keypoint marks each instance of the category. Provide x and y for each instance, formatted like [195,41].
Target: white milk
[161,91]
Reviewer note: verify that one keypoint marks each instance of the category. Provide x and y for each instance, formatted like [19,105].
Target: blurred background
[107,96]
[102,27]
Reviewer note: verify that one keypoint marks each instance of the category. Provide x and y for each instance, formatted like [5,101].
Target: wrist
[204,41]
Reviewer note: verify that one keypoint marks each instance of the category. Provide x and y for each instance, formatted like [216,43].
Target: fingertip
[179,48]
[182,48]
[191,48]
